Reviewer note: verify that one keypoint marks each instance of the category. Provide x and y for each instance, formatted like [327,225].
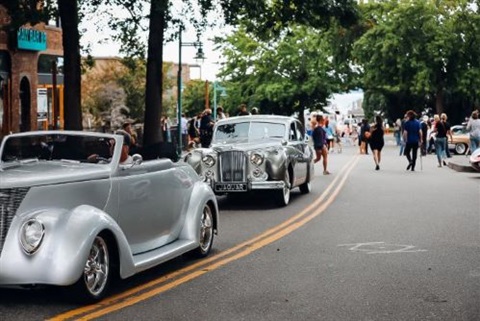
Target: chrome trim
[268,185]
[10,199]
[232,166]
[32,250]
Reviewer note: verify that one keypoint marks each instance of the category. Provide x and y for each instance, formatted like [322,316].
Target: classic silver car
[66,221]
[258,152]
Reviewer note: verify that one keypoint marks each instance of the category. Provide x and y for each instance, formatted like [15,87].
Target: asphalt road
[364,245]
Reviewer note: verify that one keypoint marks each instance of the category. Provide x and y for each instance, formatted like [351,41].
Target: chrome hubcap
[97,267]
[206,229]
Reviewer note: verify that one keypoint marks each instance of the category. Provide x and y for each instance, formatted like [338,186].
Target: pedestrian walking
[206,128]
[440,131]
[444,119]
[424,125]
[363,139]
[320,143]
[473,127]
[377,141]
[412,136]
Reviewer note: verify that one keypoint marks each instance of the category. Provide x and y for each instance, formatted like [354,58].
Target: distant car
[66,221]
[461,139]
[256,153]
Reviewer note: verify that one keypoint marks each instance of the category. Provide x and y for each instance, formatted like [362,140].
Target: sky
[107,48]
[208,69]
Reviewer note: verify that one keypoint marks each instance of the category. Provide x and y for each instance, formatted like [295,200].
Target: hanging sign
[31,39]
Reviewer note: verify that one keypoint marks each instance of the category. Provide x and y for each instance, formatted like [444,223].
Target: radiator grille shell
[10,199]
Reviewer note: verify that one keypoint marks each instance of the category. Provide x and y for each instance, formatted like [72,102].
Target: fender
[201,194]
[60,258]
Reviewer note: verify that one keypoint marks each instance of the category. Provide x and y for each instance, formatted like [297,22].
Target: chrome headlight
[208,160]
[256,159]
[31,235]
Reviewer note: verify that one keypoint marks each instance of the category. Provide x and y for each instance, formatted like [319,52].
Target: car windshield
[248,131]
[50,147]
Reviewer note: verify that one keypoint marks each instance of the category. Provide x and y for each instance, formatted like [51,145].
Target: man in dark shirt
[412,136]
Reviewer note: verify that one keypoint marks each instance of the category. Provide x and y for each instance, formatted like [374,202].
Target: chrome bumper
[268,185]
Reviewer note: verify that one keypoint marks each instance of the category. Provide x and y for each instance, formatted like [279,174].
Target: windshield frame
[253,125]
[56,136]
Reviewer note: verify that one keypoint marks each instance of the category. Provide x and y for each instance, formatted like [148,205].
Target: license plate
[230,187]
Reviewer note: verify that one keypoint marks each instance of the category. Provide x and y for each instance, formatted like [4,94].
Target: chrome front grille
[10,199]
[233,166]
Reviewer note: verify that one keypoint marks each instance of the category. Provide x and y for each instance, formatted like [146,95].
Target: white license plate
[230,187]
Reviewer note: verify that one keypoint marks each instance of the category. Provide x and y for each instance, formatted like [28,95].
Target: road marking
[382,248]
[174,279]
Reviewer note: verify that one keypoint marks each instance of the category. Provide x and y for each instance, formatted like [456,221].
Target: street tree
[287,74]
[417,51]
[265,18]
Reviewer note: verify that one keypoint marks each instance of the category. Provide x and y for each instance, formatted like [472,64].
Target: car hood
[247,146]
[44,173]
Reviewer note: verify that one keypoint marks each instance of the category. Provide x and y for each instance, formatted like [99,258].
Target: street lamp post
[199,56]
[216,87]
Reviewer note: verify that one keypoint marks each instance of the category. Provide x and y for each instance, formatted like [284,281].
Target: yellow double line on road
[174,279]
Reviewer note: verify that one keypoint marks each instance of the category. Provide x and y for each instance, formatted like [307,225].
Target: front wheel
[206,233]
[93,284]
[282,196]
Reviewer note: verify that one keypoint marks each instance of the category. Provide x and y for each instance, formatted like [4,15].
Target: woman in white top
[473,127]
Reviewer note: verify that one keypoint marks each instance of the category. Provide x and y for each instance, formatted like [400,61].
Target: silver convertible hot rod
[256,153]
[68,221]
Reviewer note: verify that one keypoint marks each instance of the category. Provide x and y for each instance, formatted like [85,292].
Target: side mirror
[137,159]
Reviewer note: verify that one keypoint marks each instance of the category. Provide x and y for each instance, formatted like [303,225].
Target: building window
[45,63]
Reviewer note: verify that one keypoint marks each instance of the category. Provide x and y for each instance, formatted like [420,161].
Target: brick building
[28,83]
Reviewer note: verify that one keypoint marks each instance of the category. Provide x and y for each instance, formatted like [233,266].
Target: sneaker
[326,173]
[377,167]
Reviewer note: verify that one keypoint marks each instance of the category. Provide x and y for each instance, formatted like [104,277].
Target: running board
[165,253]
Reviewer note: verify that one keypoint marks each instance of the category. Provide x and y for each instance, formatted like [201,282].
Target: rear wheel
[206,233]
[460,148]
[93,284]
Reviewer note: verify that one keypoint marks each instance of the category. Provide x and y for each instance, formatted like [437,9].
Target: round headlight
[256,159]
[208,160]
[31,235]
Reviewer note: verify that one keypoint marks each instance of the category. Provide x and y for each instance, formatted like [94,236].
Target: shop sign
[42,104]
[31,39]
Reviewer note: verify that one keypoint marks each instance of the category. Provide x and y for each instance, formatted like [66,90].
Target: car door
[300,152]
[153,199]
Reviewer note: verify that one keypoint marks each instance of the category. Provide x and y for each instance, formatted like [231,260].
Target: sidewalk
[460,163]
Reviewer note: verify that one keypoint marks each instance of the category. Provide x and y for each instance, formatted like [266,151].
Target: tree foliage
[420,50]
[293,71]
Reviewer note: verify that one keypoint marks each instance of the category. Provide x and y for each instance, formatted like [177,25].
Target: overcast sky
[107,48]
[209,67]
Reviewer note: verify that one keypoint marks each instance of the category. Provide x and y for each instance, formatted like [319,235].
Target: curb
[461,168]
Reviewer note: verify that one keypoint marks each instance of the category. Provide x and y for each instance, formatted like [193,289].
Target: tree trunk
[68,10]
[439,101]
[153,95]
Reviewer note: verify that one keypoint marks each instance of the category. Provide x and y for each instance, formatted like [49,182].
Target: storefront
[31,77]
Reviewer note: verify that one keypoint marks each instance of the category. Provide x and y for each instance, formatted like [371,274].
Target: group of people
[413,134]
[199,129]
